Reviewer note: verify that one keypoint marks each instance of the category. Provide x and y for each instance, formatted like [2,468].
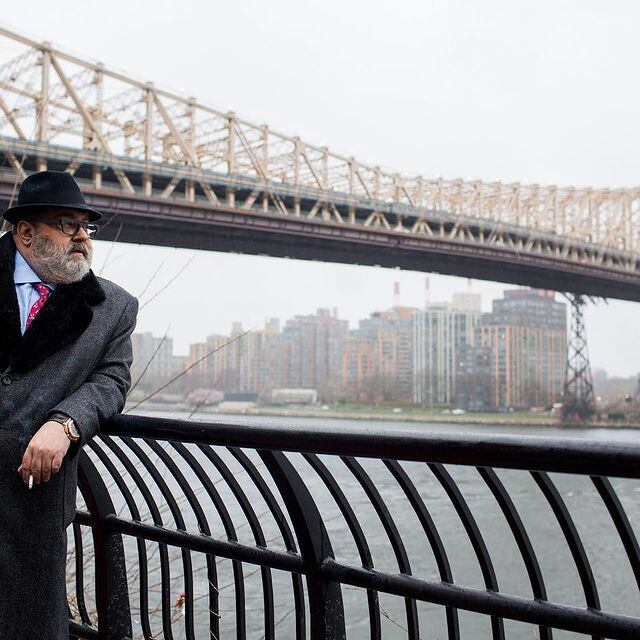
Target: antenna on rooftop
[396,294]
[426,292]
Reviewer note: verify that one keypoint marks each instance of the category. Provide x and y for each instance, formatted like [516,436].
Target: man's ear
[24,233]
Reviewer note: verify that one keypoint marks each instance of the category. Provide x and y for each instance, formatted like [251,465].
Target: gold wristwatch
[68,424]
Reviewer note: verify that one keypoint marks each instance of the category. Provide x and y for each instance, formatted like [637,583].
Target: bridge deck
[264,218]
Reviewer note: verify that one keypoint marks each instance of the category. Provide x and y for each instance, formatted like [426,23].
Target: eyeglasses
[71,226]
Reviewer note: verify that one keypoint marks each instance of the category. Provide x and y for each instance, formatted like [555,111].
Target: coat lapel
[61,321]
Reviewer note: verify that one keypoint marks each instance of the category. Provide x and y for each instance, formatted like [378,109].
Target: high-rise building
[198,365]
[308,353]
[388,337]
[236,358]
[238,363]
[217,365]
[153,357]
[359,369]
[438,332]
[530,308]
[527,332]
[256,363]
[474,378]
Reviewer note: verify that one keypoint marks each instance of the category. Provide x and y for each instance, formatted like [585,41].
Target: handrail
[202,482]
[565,455]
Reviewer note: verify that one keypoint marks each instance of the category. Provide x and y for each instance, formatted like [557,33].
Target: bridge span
[169,170]
[297,227]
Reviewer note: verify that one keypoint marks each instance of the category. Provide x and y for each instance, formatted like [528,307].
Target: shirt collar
[23,273]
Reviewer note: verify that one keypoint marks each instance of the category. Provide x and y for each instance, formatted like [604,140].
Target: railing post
[325,598]
[112,592]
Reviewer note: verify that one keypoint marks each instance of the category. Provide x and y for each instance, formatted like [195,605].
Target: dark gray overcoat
[75,358]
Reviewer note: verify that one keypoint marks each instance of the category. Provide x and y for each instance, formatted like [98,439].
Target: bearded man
[65,354]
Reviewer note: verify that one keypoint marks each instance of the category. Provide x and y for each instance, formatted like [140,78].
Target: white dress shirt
[24,277]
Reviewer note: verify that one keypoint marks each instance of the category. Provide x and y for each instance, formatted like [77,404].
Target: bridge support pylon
[578,400]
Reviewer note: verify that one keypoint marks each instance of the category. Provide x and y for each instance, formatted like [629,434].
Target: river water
[616,585]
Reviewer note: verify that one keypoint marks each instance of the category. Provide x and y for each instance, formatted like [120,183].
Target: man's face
[54,255]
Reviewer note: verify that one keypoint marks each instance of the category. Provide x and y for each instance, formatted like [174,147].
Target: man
[65,354]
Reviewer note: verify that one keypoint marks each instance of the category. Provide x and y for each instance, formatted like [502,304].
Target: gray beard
[54,264]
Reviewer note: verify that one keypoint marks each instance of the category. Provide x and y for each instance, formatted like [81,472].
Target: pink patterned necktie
[39,303]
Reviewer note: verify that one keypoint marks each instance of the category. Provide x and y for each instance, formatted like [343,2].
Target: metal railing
[290,502]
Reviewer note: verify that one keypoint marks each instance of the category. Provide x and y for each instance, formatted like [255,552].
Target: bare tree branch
[153,355]
[191,366]
[151,279]
[206,397]
[113,242]
[155,295]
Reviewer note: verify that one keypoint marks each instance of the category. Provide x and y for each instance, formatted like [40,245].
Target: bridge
[170,170]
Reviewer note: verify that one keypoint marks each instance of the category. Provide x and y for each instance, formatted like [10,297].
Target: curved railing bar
[113,606]
[392,533]
[72,636]
[359,538]
[285,532]
[267,495]
[117,478]
[78,631]
[165,569]
[431,531]
[326,609]
[256,530]
[474,535]
[521,537]
[135,514]
[621,522]
[203,524]
[79,552]
[141,546]
[572,537]
[181,525]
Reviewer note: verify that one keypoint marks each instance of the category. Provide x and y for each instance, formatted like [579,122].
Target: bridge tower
[578,401]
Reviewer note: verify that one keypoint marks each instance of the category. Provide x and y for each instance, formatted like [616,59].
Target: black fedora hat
[48,189]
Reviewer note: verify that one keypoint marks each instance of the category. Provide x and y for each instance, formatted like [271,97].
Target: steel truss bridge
[169,170]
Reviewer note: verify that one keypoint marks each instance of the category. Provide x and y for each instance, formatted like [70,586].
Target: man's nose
[81,235]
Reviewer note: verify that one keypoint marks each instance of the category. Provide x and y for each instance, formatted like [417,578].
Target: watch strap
[58,416]
[68,423]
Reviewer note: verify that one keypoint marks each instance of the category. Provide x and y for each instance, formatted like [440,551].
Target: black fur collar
[62,320]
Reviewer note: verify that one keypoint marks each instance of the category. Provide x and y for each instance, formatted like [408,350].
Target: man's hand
[44,453]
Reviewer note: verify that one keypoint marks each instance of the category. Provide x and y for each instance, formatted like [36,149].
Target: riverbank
[523,419]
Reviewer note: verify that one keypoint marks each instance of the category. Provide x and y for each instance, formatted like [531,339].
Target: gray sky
[494,90]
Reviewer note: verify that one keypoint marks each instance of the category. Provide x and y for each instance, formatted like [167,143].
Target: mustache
[77,246]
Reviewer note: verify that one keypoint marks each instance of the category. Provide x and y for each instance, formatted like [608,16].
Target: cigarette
[30,481]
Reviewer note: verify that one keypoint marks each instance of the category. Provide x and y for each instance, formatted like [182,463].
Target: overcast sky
[495,90]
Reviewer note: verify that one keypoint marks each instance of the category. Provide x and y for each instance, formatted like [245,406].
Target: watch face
[73,430]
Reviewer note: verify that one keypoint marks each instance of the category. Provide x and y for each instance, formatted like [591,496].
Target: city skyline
[246,295]
[448,354]
[334,311]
